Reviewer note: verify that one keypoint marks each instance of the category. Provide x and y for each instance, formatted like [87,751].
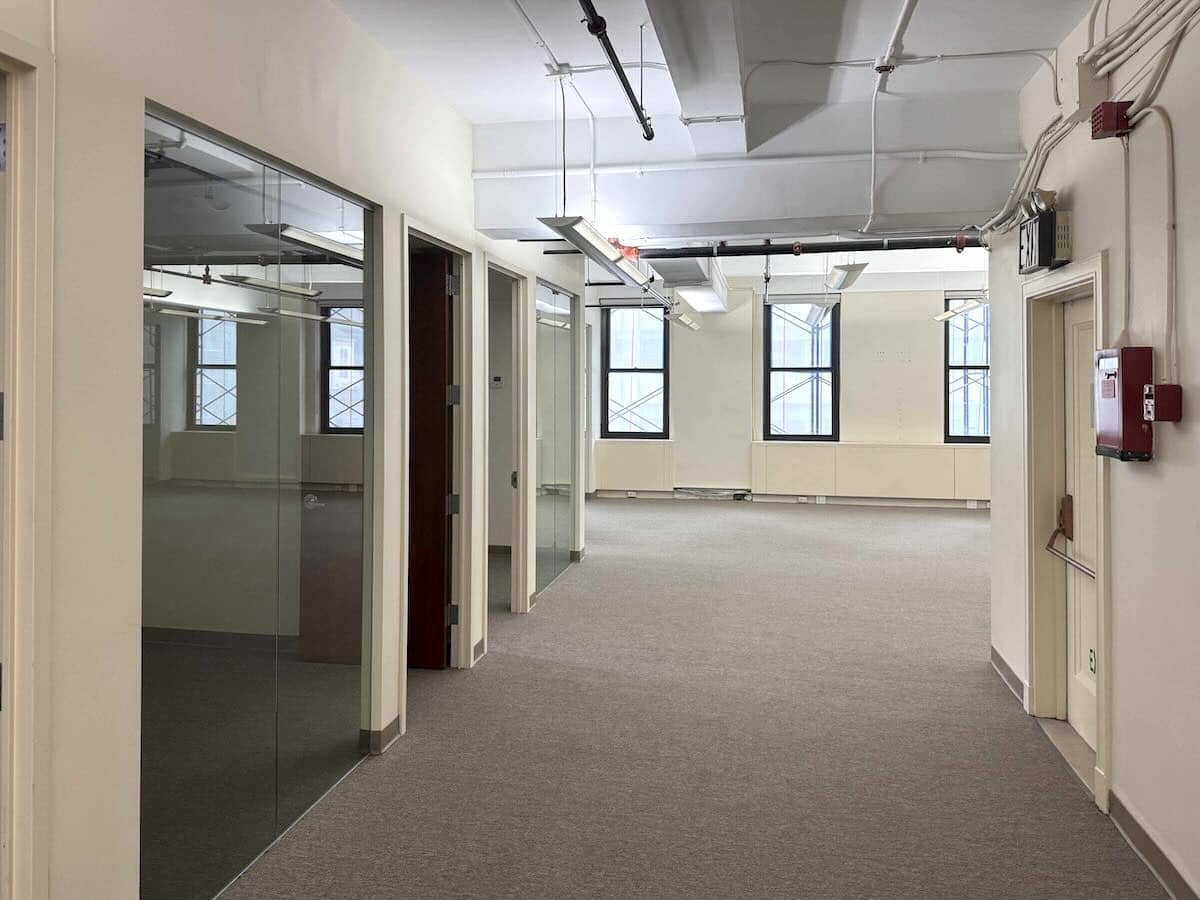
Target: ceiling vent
[699,282]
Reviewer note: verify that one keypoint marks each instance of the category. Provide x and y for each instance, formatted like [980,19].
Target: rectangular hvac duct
[699,282]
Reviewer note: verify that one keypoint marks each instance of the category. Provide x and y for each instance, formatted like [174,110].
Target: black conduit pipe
[925,242]
[599,28]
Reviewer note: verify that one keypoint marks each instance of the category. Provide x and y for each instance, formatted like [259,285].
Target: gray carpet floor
[724,700]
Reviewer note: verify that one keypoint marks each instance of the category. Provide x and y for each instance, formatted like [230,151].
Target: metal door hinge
[453,394]
[452,285]
[452,614]
[1,415]
[452,504]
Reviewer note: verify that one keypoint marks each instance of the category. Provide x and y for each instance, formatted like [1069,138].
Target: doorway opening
[1068,631]
[435,401]
[503,471]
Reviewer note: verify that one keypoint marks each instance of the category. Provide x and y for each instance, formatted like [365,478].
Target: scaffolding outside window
[213,347]
[343,365]
[801,349]
[635,382]
[968,375]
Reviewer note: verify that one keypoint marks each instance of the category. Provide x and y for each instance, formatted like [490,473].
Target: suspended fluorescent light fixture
[261,284]
[311,317]
[587,239]
[188,314]
[958,310]
[302,237]
[156,293]
[841,277]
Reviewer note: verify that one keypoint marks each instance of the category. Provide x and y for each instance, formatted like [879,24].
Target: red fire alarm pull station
[1128,402]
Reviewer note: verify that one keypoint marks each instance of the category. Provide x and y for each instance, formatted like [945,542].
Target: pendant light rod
[598,27]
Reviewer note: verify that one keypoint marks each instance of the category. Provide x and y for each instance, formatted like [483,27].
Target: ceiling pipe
[884,67]
[599,29]
[800,248]
[751,162]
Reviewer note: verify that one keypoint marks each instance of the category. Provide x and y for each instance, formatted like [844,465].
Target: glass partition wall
[556,418]
[253,411]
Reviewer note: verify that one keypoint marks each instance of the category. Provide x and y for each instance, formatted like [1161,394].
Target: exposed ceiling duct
[700,282]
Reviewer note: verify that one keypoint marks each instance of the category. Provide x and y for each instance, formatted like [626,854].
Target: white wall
[892,410]
[500,410]
[1155,669]
[318,109]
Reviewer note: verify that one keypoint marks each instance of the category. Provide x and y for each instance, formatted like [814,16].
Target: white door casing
[1080,482]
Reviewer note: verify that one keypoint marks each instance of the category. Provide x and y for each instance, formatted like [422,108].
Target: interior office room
[626,447]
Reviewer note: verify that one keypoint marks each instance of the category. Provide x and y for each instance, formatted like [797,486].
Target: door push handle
[1066,527]
[311,502]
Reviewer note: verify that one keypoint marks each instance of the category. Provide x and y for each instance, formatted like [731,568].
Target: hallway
[724,699]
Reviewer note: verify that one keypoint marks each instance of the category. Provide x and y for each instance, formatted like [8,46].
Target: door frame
[465,566]
[519,569]
[25,578]
[1045,583]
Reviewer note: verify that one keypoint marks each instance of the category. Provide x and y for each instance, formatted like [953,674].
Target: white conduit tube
[751,162]
[887,60]
[1137,28]
[1134,21]
[1108,62]
[1010,204]
[1171,339]
[1139,36]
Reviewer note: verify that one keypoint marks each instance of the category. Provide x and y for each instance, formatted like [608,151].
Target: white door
[1081,469]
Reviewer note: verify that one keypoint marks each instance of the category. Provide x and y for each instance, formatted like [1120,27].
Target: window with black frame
[212,348]
[801,349]
[968,371]
[635,385]
[343,362]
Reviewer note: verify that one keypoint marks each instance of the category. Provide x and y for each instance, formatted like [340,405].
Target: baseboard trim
[478,652]
[1146,847]
[1008,676]
[577,555]
[377,742]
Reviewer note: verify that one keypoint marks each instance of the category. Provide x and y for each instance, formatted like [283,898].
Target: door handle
[514,480]
[311,502]
[1066,527]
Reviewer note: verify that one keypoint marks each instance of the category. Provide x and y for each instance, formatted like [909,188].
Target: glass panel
[801,403]
[252,552]
[801,335]
[555,433]
[635,402]
[968,337]
[210,524]
[635,338]
[321,513]
[969,392]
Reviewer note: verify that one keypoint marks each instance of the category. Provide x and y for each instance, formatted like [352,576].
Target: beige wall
[1154,529]
[319,110]
[892,411]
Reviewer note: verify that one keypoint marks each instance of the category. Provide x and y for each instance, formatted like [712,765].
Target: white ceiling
[480,55]
[860,29]
[482,58]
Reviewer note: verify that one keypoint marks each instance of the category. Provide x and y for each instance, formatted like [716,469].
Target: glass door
[556,417]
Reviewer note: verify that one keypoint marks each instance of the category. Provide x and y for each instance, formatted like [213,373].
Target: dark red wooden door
[430,472]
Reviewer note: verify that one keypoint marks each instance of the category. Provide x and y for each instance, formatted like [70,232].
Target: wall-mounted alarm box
[1122,431]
